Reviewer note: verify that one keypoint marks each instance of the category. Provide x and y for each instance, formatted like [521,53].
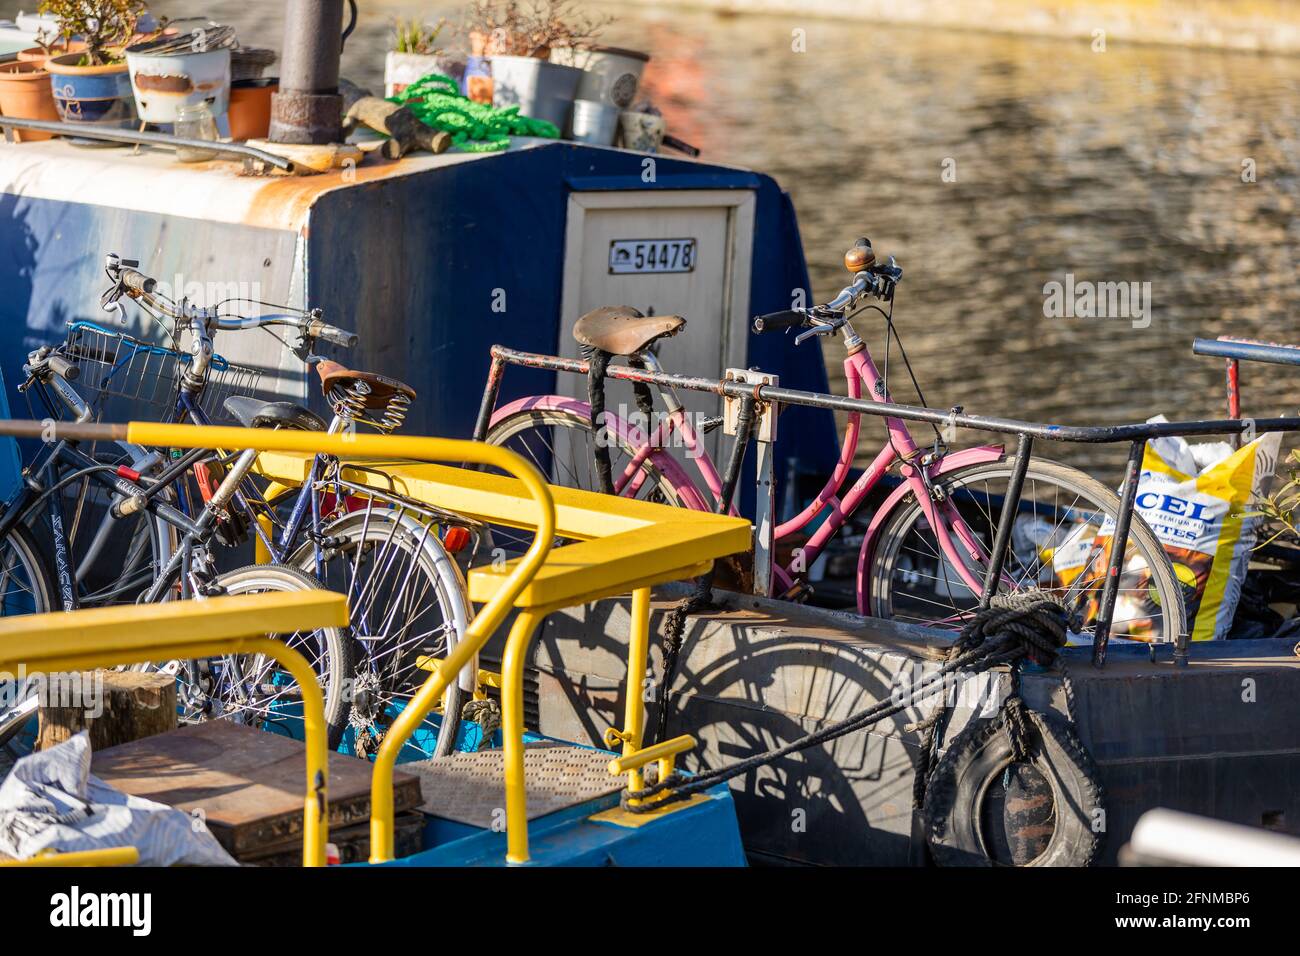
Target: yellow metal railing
[533,507]
[541,515]
[187,630]
[623,546]
[109,856]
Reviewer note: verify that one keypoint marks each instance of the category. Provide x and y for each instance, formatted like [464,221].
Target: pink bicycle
[927,547]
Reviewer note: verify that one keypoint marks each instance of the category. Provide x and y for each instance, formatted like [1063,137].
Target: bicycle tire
[338,669]
[882,565]
[519,422]
[44,590]
[350,536]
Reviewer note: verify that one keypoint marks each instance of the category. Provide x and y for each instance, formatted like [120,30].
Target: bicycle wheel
[27,586]
[1054,547]
[560,443]
[407,599]
[254,689]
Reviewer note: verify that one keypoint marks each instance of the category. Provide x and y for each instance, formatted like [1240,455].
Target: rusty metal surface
[306,118]
[468,787]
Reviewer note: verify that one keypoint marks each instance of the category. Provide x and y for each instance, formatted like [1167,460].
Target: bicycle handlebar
[136,282]
[64,367]
[142,287]
[780,321]
[877,280]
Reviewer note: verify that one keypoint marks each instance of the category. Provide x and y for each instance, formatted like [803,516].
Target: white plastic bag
[51,802]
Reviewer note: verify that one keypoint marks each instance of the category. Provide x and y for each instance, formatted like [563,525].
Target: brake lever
[821,328]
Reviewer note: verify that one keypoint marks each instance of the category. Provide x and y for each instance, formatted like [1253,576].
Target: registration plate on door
[640,256]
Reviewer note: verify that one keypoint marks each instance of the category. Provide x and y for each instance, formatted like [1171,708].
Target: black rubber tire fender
[976,760]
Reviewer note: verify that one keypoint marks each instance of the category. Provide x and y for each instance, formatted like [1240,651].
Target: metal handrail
[1247,350]
[140,138]
[484,623]
[1086,434]
[670,545]
[108,856]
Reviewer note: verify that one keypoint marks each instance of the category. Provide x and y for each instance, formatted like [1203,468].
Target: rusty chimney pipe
[308,107]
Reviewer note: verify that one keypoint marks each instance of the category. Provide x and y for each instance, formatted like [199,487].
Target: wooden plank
[246,783]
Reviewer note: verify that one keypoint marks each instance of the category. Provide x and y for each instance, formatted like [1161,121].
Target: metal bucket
[163,83]
[540,89]
[594,123]
[609,74]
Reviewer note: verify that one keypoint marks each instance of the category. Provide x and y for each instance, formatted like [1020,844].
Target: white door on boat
[664,252]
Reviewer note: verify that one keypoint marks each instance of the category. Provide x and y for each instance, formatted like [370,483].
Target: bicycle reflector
[455,539]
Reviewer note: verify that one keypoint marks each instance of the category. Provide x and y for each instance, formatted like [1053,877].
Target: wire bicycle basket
[123,377]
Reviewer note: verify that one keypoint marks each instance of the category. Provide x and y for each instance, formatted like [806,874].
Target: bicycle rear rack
[1136,434]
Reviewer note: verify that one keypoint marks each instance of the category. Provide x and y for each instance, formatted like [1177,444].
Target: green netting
[474,127]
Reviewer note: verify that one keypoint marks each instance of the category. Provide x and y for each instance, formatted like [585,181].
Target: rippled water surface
[1122,166]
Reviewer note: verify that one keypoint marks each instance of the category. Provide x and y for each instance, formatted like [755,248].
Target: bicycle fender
[668,466]
[949,463]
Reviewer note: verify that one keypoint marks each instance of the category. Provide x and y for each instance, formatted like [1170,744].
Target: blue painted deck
[701,834]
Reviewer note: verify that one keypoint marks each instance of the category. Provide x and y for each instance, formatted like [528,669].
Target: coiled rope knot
[1033,621]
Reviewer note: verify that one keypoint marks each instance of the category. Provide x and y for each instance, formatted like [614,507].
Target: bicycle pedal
[798,593]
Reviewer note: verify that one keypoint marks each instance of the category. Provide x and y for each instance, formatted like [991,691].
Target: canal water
[992,166]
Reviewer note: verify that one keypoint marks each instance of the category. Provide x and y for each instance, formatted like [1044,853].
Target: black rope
[1028,624]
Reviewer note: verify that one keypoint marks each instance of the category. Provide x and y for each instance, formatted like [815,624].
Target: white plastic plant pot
[610,75]
[542,90]
[163,83]
[403,69]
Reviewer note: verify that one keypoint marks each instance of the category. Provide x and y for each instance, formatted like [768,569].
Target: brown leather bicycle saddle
[622,330]
[382,388]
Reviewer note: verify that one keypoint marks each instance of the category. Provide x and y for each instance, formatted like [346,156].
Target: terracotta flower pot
[250,107]
[37,54]
[25,94]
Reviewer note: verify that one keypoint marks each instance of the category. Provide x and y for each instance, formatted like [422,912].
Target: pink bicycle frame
[957,541]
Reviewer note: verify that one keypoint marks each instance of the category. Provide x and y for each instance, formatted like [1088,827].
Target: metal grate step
[470,787]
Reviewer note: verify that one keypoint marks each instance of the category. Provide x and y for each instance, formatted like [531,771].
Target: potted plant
[25,93]
[93,86]
[48,45]
[517,36]
[415,53]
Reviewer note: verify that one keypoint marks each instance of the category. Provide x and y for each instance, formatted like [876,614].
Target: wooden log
[115,706]
[402,125]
